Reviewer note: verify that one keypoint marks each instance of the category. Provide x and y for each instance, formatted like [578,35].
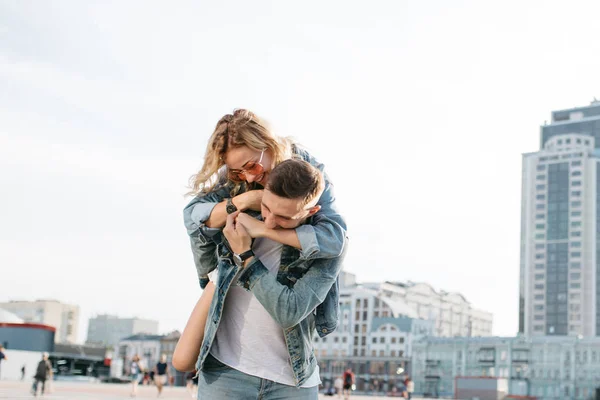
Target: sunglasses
[251,167]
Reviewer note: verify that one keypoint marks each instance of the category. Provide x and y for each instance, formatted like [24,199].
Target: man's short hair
[296,179]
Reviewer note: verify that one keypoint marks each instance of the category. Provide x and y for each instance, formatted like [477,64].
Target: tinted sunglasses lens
[236,176]
[254,169]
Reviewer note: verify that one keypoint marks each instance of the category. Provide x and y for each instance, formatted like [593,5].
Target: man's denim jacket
[304,294]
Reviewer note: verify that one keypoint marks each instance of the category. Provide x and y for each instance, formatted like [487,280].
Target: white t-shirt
[248,338]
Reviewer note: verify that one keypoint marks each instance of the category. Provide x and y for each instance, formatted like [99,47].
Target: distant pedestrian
[348,383]
[135,372]
[161,373]
[44,369]
[192,383]
[410,387]
[2,357]
[23,372]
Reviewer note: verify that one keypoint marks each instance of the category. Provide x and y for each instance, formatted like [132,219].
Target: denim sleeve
[290,305]
[324,236]
[202,238]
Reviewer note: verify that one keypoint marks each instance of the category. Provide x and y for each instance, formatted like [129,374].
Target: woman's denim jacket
[304,294]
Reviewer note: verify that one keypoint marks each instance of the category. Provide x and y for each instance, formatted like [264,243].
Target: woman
[135,371]
[240,154]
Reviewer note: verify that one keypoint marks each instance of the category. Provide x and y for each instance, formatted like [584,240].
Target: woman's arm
[188,348]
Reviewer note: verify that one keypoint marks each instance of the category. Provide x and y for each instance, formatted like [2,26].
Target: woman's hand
[250,200]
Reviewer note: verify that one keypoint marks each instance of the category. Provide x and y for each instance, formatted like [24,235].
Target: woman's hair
[242,128]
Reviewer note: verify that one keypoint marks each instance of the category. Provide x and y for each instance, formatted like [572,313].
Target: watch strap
[246,255]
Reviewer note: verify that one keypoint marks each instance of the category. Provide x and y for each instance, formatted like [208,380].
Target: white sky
[419,109]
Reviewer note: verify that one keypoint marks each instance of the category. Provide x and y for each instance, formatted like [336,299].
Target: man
[258,338]
[348,382]
[42,372]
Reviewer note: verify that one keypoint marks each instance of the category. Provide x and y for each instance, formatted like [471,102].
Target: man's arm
[288,306]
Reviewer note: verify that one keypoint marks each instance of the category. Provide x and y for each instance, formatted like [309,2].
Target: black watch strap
[230,207]
[246,255]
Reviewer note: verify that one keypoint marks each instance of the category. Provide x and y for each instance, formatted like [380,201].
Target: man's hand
[250,200]
[237,236]
[254,227]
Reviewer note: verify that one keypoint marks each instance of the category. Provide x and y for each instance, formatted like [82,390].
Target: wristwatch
[240,258]
[230,207]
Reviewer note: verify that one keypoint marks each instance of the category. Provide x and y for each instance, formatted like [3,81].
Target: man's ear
[314,210]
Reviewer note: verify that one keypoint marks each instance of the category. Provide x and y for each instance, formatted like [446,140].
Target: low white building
[64,317]
[108,330]
[545,367]
[453,314]
[147,347]
[374,338]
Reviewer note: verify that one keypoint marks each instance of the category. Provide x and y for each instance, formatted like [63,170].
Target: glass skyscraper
[560,226]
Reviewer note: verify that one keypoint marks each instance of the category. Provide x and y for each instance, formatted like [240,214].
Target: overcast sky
[419,109]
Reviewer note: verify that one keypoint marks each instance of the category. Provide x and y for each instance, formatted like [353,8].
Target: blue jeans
[218,381]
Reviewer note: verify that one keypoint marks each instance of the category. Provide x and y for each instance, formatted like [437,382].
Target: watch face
[230,209]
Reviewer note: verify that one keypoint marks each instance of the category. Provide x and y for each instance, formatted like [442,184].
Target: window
[381,353]
[541,167]
[576,173]
[575,163]
[539,277]
[575,254]
[393,353]
[540,197]
[540,266]
[538,317]
[344,339]
[540,216]
[401,340]
[356,340]
[357,316]
[576,214]
[575,204]
[576,193]
[539,236]
[393,340]
[576,183]
[540,177]
[540,246]
[336,339]
[576,265]
[575,275]
[576,234]
[374,353]
[365,317]
[539,256]
[540,187]
[539,286]
[575,224]
[539,297]
[374,340]
[382,339]
[538,328]
[540,226]
[575,285]
[540,206]
[539,307]
[363,341]
[575,244]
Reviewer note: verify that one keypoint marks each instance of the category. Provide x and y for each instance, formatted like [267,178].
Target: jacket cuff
[308,240]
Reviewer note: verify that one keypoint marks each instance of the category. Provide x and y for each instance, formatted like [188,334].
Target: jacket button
[324,330]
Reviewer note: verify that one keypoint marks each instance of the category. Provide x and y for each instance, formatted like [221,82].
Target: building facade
[108,330]
[452,314]
[544,367]
[147,347]
[63,317]
[560,221]
[373,338]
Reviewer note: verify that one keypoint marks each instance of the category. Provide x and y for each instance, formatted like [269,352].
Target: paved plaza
[62,390]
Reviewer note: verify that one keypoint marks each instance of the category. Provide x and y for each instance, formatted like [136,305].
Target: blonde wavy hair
[242,128]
